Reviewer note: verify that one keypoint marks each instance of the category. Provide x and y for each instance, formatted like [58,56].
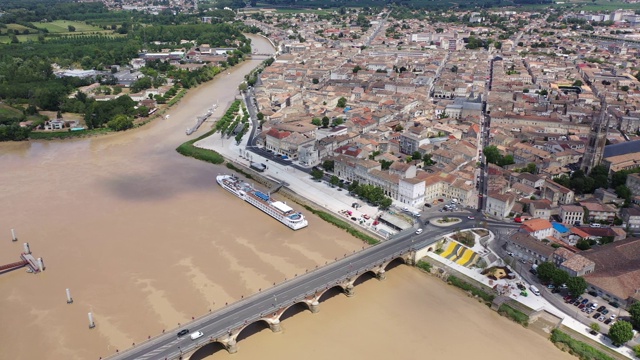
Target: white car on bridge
[197,335]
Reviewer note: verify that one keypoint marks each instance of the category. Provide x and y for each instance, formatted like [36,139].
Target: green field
[18,27]
[8,111]
[62,26]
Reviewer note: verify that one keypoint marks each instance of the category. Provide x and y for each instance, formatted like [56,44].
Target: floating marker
[26,248]
[70,300]
[13,235]
[91,323]
[40,265]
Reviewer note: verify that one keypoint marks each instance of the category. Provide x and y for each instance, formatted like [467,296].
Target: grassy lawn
[9,112]
[62,26]
[297,11]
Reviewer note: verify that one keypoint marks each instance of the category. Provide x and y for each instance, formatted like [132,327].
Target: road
[248,310]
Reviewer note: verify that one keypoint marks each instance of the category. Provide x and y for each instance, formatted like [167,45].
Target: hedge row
[472,289]
[343,225]
[578,348]
[187,149]
[514,314]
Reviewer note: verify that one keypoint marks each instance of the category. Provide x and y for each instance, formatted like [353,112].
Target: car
[520,286]
[576,303]
[605,312]
[584,309]
[523,261]
[183,332]
[427,205]
[197,335]
[601,308]
[339,189]
[551,286]
[612,317]
[563,286]
[470,217]
[596,315]
[441,200]
[533,271]
[510,253]
[419,231]
[607,322]
[581,306]
[594,305]
[601,318]
[585,301]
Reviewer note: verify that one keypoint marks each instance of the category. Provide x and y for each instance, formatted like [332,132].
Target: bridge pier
[231,346]
[275,326]
[349,291]
[381,275]
[314,307]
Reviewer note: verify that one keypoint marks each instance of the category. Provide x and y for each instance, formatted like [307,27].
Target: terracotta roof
[536,224]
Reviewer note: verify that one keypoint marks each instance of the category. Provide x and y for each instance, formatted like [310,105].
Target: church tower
[597,139]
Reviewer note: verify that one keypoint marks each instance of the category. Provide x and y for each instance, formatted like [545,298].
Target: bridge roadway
[246,311]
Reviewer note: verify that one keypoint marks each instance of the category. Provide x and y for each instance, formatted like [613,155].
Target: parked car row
[599,313]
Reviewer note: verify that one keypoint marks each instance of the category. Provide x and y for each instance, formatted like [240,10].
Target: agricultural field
[22,38]
[18,27]
[62,26]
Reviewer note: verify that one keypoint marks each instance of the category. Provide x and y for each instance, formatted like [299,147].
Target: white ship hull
[288,217]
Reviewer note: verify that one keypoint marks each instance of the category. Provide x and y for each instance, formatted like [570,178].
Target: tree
[559,277]
[621,332]
[416,155]
[337,121]
[327,165]
[454,69]
[595,327]
[315,81]
[634,311]
[356,69]
[385,203]
[427,160]
[583,245]
[316,122]
[120,122]
[546,271]
[342,102]
[543,92]
[576,285]
[577,83]
[317,174]
[492,154]
[325,122]
[334,180]
[260,116]
[385,164]
[71,28]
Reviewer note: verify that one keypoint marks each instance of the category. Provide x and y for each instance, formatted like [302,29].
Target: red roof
[278,134]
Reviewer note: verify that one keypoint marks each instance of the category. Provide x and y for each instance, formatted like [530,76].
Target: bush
[578,348]
[513,314]
[424,265]
[472,289]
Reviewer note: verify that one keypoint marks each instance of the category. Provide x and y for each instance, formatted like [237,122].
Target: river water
[145,239]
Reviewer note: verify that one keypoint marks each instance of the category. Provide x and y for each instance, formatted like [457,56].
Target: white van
[534,290]
[454,201]
[595,225]
[419,231]
[197,335]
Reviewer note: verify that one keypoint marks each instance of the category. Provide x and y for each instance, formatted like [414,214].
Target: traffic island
[445,221]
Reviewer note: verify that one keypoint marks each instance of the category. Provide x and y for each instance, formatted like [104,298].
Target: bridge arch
[395,263]
[331,292]
[207,350]
[364,277]
[294,309]
[251,328]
